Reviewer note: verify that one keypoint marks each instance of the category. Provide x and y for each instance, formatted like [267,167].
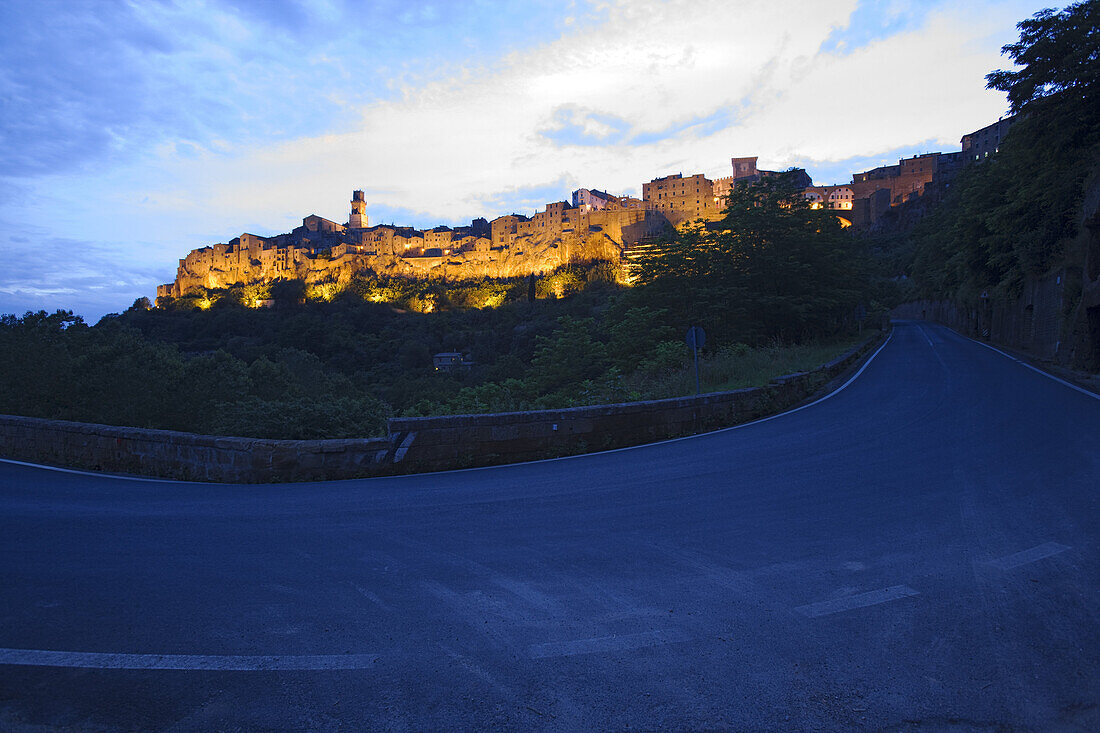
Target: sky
[134,132]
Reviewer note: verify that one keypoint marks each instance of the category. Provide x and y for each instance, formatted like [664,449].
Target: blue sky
[133,132]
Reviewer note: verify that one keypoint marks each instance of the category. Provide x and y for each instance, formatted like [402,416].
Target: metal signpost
[696,338]
[861,314]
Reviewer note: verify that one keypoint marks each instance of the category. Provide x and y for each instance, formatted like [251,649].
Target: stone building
[681,199]
[980,144]
[584,198]
[592,225]
[359,219]
[745,171]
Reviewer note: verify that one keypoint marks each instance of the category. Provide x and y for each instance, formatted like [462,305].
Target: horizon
[137,134]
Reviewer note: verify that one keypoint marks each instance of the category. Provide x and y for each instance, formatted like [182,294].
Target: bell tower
[359,219]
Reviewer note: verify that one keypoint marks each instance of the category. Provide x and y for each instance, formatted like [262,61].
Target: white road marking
[860,600]
[1028,556]
[404,447]
[189,662]
[1048,375]
[102,474]
[932,346]
[605,644]
[836,391]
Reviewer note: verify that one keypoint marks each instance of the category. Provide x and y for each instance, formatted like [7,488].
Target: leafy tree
[1058,54]
[1013,215]
[773,267]
[570,355]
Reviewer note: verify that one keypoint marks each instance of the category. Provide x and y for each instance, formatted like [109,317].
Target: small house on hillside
[449,361]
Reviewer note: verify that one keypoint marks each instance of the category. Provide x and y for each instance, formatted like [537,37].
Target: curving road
[919,551]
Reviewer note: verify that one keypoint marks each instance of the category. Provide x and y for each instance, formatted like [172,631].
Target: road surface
[917,552]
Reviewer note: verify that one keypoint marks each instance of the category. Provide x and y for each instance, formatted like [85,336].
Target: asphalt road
[917,552]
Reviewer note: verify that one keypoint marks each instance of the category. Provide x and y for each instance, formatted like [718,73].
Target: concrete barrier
[414,445]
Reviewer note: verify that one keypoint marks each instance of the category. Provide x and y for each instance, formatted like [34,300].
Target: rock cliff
[322,251]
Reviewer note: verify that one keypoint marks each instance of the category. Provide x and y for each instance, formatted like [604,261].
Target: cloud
[87,84]
[655,88]
[43,272]
[668,74]
[571,125]
[153,128]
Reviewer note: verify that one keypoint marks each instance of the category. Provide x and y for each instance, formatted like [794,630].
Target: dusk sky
[133,132]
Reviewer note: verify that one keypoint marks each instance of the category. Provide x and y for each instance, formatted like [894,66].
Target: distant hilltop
[594,225]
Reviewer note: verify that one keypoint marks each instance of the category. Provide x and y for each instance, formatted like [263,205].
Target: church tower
[359,219]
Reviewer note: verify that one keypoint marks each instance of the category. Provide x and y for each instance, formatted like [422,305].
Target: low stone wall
[414,444]
[440,443]
[175,455]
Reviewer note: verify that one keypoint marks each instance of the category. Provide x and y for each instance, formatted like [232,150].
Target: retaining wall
[414,444]
[1032,322]
[186,456]
[439,443]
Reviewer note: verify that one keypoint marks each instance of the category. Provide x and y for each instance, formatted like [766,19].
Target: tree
[1013,216]
[1058,52]
[570,355]
[772,267]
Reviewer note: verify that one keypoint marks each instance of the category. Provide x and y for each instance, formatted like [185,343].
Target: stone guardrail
[457,441]
[414,444]
[187,456]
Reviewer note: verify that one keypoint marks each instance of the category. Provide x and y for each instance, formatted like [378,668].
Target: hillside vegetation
[786,292]
[1017,214]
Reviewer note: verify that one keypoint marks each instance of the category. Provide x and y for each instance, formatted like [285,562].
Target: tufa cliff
[515,245]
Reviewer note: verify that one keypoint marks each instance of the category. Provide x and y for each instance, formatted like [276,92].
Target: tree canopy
[1014,215]
[1058,52]
[772,268]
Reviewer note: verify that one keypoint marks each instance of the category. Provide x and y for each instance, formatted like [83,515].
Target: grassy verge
[739,366]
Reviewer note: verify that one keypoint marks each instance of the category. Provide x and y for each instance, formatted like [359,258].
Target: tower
[359,219]
[744,168]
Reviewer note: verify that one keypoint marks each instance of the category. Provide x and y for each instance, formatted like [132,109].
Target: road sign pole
[696,352]
[696,338]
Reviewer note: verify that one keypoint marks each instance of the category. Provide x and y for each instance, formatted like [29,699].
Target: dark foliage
[772,268]
[1058,54]
[1013,215]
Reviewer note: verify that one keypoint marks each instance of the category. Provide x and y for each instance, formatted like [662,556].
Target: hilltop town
[593,225]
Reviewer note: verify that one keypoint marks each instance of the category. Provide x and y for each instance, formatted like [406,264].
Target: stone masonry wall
[414,444]
[454,441]
[1032,322]
[186,456]
[1055,317]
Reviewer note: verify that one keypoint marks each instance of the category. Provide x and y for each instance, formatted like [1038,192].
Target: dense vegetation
[775,284]
[1015,215]
[772,268]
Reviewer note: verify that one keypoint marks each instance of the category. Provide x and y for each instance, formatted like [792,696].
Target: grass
[740,366]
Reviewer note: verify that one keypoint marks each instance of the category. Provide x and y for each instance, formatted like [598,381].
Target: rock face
[323,251]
